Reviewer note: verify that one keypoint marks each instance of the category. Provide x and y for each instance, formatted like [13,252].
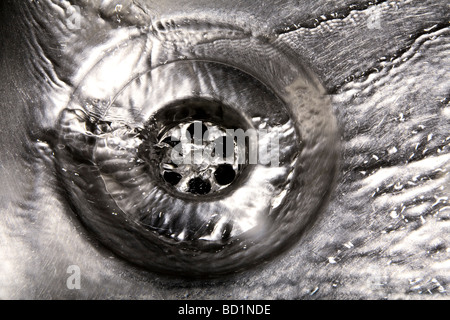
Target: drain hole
[172,177]
[196,150]
[194,131]
[199,186]
[225,174]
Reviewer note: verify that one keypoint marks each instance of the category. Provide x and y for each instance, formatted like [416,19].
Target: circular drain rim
[251,248]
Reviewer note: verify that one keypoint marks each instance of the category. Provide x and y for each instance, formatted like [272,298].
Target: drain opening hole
[196,131]
[224,174]
[172,177]
[199,186]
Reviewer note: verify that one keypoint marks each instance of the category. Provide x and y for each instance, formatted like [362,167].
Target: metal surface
[382,234]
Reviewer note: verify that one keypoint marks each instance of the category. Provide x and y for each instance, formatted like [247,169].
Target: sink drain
[209,158]
[198,157]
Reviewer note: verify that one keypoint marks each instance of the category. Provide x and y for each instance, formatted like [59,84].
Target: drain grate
[198,157]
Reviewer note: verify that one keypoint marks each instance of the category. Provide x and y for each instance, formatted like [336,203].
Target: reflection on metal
[205,215]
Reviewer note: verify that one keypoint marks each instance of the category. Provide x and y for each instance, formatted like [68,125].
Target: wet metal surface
[356,84]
